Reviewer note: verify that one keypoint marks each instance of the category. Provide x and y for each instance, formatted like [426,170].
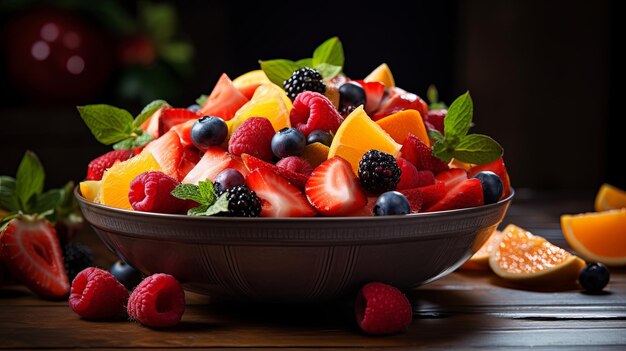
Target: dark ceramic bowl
[294,259]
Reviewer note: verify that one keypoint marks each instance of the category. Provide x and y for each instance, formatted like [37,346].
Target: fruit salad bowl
[294,259]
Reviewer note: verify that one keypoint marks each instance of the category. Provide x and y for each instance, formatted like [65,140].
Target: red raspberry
[253,137]
[295,164]
[95,293]
[312,111]
[151,192]
[158,301]
[97,167]
[421,156]
[382,309]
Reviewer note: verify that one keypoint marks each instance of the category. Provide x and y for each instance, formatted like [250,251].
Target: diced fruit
[399,100]
[168,152]
[288,142]
[480,260]
[248,82]
[319,136]
[214,160]
[530,260]
[189,160]
[410,177]
[243,202]
[97,294]
[381,74]
[224,100]
[90,189]
[126,274]
[391,203]
[171,117]
[152,125]
[315,153]
[468,193]
[209,131]
[304,79]
[451,178]
[96,168]
[492,186]
[297,179]
[278,197]
[253,137]
[598,236]
[333,189]
[374,92]
[184,132]
[359,134]
[116,180]
[227,179]
[295,164]
[158,301]
[365,211]
[313,111]
[610,198]
[151,192]
[498,168]
[378,172]
[434,119]
[382,309]
[269,101]
[594,277]
[351,94]
[401,124]
[421,156]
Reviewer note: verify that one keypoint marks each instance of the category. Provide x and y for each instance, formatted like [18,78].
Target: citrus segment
[400,124]
[268,101]
[359,134]
[610,198]
[527,259]
[315,154]
[90,190]
[247,83]
[116,180]
[480,260]
[381,74]
[598,236]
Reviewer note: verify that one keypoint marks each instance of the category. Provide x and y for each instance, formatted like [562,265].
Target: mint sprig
[456,143]
[432,94]
[113,125]
[328,59]
[204,195]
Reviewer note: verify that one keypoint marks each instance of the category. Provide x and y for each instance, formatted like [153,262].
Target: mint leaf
[201,99]
[327,70]
[442,151]
[8,196]
[278,70]
[329,52]
[198,211]
[148,111]
[142,139]
[459,118]
[126,144]
[29,179]
[434,135]
[477,149]
[49,200]
[432,94]
[305,62]
[107,123]
[188,192]
[139,139]
[221,205]
[207,192]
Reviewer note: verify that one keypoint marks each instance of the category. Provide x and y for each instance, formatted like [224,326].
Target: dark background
[546,77]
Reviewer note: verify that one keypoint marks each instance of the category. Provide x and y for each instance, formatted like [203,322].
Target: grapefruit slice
[610,198]
[480,260]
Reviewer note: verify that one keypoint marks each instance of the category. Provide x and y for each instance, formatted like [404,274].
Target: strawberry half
[333,189]
[278,197]
[30,250]
[172,117]
[167,151]
[296,179]
[469,193]
[421,156]
[451,177]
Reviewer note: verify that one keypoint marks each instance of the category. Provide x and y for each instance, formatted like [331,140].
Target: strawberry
[434,119]
[224,100]
[451,177]
[167,151]
[498,168]
[296,179]
[253,137]
[96,168]
[374,92]
[414,195]
[171,117]
[30,250]
[278,197]
[367,210]
[410,177]
[421,156]
[333,189]
[399,100]
[214,160]
[295,164]
[184,132]
[468,193]
[313,111]
[430,194]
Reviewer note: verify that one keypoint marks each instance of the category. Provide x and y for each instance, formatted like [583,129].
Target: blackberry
[76,257]
[304,79]
[378,172]
[243,202]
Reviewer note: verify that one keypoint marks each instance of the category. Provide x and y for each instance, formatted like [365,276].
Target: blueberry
[319,136]
[351,94]
[126,274]
[288,142]
[594,277]
[194,108]
[227,179]
[492,186]
[208,131]
[391,203]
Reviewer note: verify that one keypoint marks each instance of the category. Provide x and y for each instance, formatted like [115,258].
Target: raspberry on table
[382,309]
[158,301]
[95,293]
[96,167]
[313,111]
[378,172]
[151,192]
[253,137]
[304,79]
[243,202]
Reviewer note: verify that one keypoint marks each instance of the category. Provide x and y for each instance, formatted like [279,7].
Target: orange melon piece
[116,180]
[381,74]
[610,198]
[400,124]
[480,260]
[268,101]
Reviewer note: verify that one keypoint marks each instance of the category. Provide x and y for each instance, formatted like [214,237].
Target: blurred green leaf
[159,20]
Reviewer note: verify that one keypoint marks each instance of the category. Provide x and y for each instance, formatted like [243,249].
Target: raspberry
[253,137]
[378,172]
[295,164]
[421,156]
[158,301]
[411,177]
[382,309]
[151,192]
[97,167]
[304,79]
[313,111]
[95,293]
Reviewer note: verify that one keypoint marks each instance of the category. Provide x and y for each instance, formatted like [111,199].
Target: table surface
[461,311]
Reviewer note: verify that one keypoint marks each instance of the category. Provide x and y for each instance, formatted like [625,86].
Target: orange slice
[381,74]
[359,134]
[90,190]
[315,154]
[400,124]
[268,101]
[610,198]
[255,77]
[598,236]
[530,260]
[480,260]
[116,180]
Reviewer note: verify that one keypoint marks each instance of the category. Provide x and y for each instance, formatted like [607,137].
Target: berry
[208,131]
[400,100]
[288,142]
[278,197]
[151,192]
[30,250]
[429,195]
[391,203]
[415,198]
[97,167]
[498,168]
[492,186]
[295,164]
[421,156]
[468,193]
[382,309]
[158,301]
[319,136]
[451,177]
[76,257]
[304,79]
[378,172]
[594,277]
[193,108]
[126,274]
[95,293]
[243,202]
[254,137]
[313,111]
[227,179]
[351,94]
[434,119]
[297,179]
[374,92]
[410,177]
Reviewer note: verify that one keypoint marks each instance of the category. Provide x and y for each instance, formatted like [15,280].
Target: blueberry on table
[320,136]
[594,277]
[208,131]
[126,274]
[492,186]
[391,203]
[288,142]
[227,179]
[351,94]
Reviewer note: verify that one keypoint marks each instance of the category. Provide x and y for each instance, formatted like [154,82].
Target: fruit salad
[296,139]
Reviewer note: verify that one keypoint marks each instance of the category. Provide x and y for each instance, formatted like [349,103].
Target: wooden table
[460,311]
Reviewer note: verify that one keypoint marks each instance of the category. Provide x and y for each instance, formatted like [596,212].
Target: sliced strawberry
[416,200]
[374,92]
[365,211]
[224,100]
[191,157]
[429,194]
[468,193]
[434,119]
[333,189]
[31,252]
[400,100]
[174,116]
[451,177]
[167,151]
[421,156]
[278,197]
[214,160]
[297,179]
[410,177]
[184,132]
[153,124]
[498,168]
